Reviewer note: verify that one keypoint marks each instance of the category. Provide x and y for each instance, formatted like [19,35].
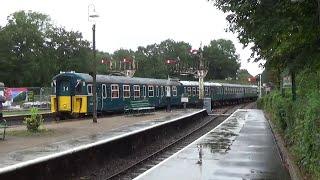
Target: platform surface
[42,152]
[242,147]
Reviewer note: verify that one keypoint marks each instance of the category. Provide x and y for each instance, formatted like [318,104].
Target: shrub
[299,121]
[34,121]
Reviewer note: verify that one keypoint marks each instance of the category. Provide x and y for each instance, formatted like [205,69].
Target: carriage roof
[118,79]
[196,83]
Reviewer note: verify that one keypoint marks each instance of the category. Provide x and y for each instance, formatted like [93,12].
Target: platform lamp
[92,15]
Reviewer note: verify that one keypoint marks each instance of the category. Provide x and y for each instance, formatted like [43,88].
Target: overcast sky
[132,23]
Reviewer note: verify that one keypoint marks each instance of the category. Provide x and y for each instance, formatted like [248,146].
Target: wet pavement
[242,147]
[40,153]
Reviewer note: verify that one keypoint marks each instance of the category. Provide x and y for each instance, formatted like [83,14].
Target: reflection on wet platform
[240,148]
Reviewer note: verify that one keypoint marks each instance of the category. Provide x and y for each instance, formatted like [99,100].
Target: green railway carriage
[250,92]
[73,92]
[211,90]
[220,93]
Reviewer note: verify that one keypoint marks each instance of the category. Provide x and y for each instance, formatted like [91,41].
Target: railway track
[145,163]
[14,120]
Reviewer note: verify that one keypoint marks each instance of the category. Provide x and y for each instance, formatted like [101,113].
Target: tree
[222,58]
[21,42]
[285,34]
[33,50]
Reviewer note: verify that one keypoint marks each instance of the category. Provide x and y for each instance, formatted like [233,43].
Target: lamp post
[260,85]
[91,17]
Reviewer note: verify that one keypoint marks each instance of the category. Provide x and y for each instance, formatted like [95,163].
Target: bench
[3,125]
[141,106]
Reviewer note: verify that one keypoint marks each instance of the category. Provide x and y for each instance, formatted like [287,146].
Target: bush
[299,121]
[34,121]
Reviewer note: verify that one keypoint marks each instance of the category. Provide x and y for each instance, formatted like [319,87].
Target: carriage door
[103,97]
[99,98]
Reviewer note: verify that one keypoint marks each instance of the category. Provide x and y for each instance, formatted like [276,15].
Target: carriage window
[189,90]
[206,89]
[197,90]
[162,92]
[168,91]
[174,91]
[150,91]
[185,90]
[144,91]
[194,91]
[136,89]
[126,91]
[114,91]
[89,89]
[157,90]
[104,91]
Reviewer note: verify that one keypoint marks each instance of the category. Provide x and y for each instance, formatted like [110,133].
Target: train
[72,93]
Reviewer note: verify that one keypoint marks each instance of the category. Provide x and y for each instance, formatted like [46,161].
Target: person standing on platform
[168,98]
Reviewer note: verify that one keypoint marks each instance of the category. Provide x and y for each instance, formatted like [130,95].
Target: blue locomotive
[72,92]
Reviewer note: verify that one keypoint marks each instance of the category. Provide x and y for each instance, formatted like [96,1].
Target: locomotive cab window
[89,89]
[150,91]
[126,91]
[136,89]
[78,88]
[54,88]
[174,90]
[114,91]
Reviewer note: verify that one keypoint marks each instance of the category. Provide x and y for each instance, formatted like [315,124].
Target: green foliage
[34,121]
[33,50]
[223,59]
[282,32]
[220,55]
[299,121]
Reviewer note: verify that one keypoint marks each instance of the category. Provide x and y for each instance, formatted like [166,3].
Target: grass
[22,112]
[25,133]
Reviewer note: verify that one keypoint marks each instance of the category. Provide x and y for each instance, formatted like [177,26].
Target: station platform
[242,147]
[74,142]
